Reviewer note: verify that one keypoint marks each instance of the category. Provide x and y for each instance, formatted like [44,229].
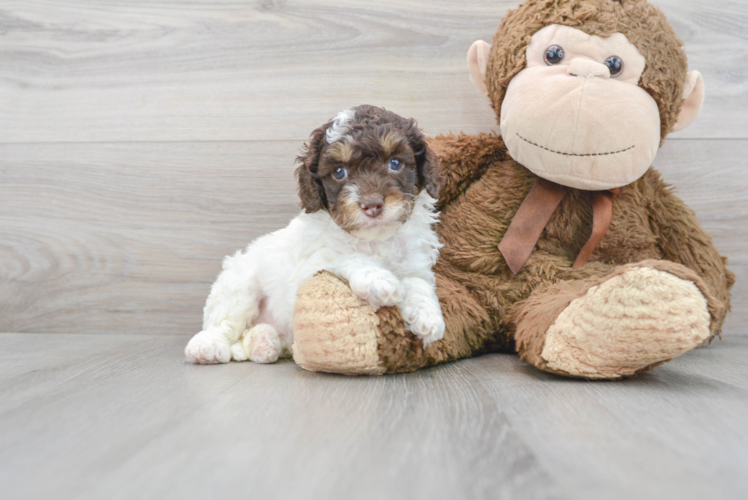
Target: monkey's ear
[311,191]
[693,99]
[477,59]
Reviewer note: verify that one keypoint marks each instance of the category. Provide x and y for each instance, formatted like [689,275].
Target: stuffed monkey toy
[561,242]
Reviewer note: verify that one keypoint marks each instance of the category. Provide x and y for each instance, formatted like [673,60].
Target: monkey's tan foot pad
[335,331]
[629,322]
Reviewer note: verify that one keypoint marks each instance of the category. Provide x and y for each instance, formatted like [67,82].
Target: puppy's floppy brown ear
[311,191]
[427,163]
[431,173]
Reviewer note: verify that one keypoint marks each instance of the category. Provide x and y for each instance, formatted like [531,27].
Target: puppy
[367,183]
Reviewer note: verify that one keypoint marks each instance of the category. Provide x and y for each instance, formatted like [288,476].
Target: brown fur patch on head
[642,23]
[427,163]
[390,142]
[340,151]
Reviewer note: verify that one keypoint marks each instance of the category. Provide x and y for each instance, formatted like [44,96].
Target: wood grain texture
[128,237]
[77,71]
[124,416]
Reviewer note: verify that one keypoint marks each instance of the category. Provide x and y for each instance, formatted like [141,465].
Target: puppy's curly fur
[367,184]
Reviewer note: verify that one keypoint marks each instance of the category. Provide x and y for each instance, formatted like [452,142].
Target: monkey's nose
[372,207]
[587,68]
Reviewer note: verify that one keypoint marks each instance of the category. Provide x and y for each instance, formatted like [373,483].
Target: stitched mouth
[576,154]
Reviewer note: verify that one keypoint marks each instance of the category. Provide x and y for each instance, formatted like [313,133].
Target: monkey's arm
[463,159]
[683,240]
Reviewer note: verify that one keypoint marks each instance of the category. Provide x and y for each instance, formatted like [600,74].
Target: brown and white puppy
[368,183]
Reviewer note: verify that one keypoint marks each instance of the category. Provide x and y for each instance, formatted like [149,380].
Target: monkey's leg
[682,239]
[616,325]
[337,332]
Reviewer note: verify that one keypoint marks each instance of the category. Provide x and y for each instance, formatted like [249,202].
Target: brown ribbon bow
[535,212]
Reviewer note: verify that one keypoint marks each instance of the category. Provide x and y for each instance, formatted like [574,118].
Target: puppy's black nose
[372,207]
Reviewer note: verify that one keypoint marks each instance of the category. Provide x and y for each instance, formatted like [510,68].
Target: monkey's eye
[340,173]
[554,55]
[395,165]
[615,65]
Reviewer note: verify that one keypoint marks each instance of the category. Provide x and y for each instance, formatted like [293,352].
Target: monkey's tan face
[576,115]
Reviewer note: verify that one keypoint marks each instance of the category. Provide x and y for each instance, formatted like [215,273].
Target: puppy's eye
[340,173]
[554,55]
[615,65]
[395,165]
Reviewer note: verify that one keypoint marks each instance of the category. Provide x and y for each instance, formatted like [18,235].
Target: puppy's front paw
[377,286]
[425,324]
[207,348]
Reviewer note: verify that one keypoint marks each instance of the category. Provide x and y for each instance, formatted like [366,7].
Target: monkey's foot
[631,321]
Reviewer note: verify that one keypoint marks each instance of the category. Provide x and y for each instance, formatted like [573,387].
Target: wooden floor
[141,141]
[124,416]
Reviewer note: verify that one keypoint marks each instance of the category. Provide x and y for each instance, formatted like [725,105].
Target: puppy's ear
[311,191]
[430,173]
[427,163]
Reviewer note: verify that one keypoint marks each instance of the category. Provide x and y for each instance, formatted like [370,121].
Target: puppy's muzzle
[372,206]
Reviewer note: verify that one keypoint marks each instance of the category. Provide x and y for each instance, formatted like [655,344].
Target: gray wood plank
[128,237]
[101,416]
[118,70]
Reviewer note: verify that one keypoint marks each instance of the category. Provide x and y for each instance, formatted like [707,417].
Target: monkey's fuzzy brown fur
[483,302]
[486,307]
[643,24]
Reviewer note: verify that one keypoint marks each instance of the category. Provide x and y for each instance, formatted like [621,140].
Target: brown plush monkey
[544,253]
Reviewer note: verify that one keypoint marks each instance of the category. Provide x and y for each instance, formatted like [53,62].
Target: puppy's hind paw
[377,286]
[262,344]
[207,348]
